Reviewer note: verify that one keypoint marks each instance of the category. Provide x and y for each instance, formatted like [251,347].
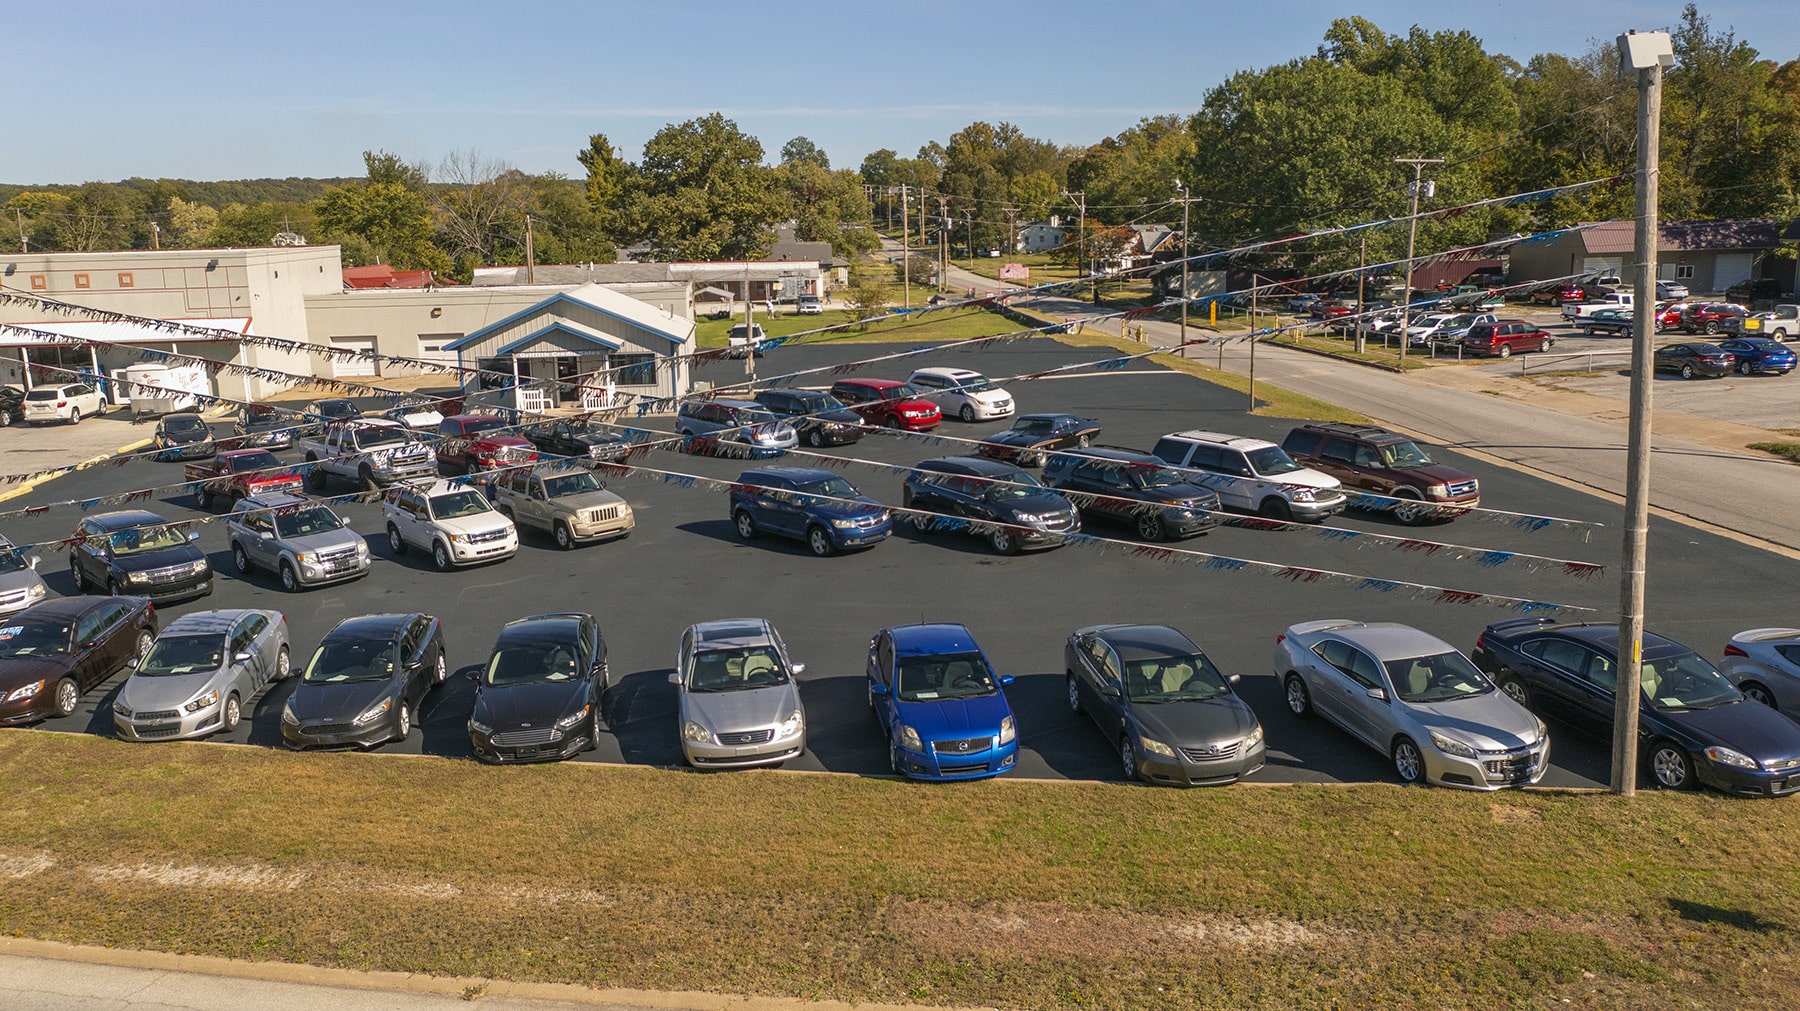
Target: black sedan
[365,682]
[1033,436]
[132,551]
[1694,726]
[819,418]
[264,426]
[580,440]
[52,653]
[1757,355]
[1027,514]
[12,406]
[184,437]
[1696,359]
[541,695]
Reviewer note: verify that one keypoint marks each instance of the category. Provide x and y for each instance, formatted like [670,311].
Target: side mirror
[880,690]
[1111,691]
[1377,694]
[32,561]
[799,669]
[242,658]
[1006,679]
[193,535]
[1235,678]
[674,677]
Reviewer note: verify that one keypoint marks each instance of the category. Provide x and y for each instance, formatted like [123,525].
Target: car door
[1567,680]
[1337,457]
[1110,484]
[880,674]
[243,659]
[1345,676]
[415,663]
[117,635]
[259,539]
[533,505]
[90,555]
[1103,687]
[779,509]
[927,491]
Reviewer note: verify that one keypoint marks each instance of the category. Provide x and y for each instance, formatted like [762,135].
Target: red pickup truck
[241,473]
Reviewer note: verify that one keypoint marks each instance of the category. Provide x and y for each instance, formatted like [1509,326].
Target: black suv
[976,488]
[1761,293]
[139,553]
[820,418]
[1388,464]
[1129,486]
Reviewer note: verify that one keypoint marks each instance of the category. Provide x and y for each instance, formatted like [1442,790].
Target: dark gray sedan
[1174,718]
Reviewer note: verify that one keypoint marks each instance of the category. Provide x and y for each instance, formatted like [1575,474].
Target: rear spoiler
[1520,624]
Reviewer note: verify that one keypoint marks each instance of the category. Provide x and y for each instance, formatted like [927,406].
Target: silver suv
[744,421]
[300,540]
[1252,475]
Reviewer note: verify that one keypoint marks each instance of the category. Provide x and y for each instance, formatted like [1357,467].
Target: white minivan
[965,394]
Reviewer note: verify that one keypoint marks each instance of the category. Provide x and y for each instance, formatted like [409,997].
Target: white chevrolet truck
[373,453]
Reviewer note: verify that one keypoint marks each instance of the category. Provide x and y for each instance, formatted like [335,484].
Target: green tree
[1726,127]
[187,225]
[96,217]
[479,207]
[607,178]
[257,225]
[702,192]
[801,149]
[37,213]
[389,211]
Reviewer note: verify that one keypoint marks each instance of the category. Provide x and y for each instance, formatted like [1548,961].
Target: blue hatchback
[941,704]
[815,506]
[1760,354]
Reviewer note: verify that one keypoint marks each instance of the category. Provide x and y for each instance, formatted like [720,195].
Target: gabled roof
[580,334]
[1682,236]
[594,298]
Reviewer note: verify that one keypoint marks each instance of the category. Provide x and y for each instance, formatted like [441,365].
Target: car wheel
[145,640]
[1543,346]
[290,581]
[396,542]
[1299,700]
[746,526]
[967,413]
[1687,372]
[892,422]
[366,474]
[565,538]
[894,761]
[113,589]
[1758,693]
[441,670]
[1150,527]
[240,559]
[1276,508]
[67,697]
[1590,331]
[74,415]
[1410,510]
[1409,765]
[1004,542]
[1505,351]
[232,715]
[440,556]
[204,497]
[1074,695]
[815,438]
[403,722]
[284,665]
[1712,326]
[1082,440]
[1516,690]
[1743,368]
[75,573]
[818,540]
[315,478]
[1128,763]
[1670,767]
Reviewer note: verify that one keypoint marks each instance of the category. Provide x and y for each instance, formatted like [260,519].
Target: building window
[39,282]
[1684,272]
[634,370]
[125,280]
[81,280]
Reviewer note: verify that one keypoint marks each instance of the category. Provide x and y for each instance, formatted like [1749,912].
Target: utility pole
[969,216]
[1080,199]
[1412,235]
[1647,53]
[19,215]
[943,242]
[1185,201]
[530,254]
[905,252]
[1362,262]
[749,326]
[1255,288]
[155,234]
[1012,230]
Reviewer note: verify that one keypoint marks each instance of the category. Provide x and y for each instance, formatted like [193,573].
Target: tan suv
[571,506]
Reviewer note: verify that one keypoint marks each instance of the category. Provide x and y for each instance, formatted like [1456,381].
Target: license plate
[526,752]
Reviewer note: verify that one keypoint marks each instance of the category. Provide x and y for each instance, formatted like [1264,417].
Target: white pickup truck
[374,453]
[1616,300]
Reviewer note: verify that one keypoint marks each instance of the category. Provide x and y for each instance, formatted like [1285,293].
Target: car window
[1359,666]
[1437,678]
[1338,449]
[1789,653]
[1105,659]
[1575,659]
[87,627]
[174,655]
[950,676]
[255,626]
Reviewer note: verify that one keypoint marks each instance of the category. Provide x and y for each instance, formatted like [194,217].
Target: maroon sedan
[52,653]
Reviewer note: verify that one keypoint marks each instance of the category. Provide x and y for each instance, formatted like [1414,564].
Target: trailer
[155,388]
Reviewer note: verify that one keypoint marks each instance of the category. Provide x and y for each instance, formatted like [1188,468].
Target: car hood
[184,438]
[588,500]
[1434,473]
[743,709]
[1012,438]
[169,691]
[598,439]
[1749,727]
[26,669]
[480,523]
[24,579]
[1310,478]
[927,406]
[159,558]
[863,506]
[337,703]
[1036,505]
[1181,492]
[538,704]
[1196,722]
[325,541]
[842,415]
[1489,722]
[949,718]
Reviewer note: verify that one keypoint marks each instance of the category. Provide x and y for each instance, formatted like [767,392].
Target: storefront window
[634,370]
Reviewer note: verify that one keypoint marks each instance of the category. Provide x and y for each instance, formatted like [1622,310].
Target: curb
[30,486]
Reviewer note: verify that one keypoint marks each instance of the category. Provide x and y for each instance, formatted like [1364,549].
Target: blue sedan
[1760,354]
[941,704]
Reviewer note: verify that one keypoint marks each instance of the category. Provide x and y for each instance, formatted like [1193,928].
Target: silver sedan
[1412,697]
[738,705]
[1765,665]
[202,671]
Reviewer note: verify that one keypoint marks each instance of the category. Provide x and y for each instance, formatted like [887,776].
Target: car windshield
[184,423]
[571,484]
[305,521]
[1035,426]
[452,505]
[947,676]
[812,403]
[1172,679]
[1155,477]
[350,660]
[759,418]
[1686,682]
[1437,678]
[831,487]
[1457,322]
[252,461]
[484,425]
[183,654]
[139,540]
[1404,454]
[34,638]
[1019,485]
[1272,460]
[12,559]
[973,384]
[380,435]
[730,670]
[339,409]
[582,428]
[904,391]
[1430,321]
[532,662]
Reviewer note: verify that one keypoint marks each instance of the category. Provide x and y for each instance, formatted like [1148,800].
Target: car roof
[208,622]
[1049,415]
[1602,637]
[1222,439]
[370,626]
[59,609]
[731,633]
[980,466]
[925,639]
[273,500]
[798,475]
[474,417]
[727,401]
[947,372]
[884,384]
[232,454]
[1111,453]
[540,628]
[1389,640]
[1370,433]
[1143,642]
[126,518]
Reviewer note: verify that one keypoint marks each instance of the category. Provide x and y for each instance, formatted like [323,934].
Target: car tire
[396,543]
[1543,345]
[231,714]
[1128,763]
[366,474]
[315,478]
[113,589]
[75,573]
[1590,331]
[815,438]
[1687,372]
[967,413]
[145,640]
[1757,692]
[1515,689]
[403,722]
[746,525]
[204,497]
[1504,351]
[1409,764]
[1299,700]
[1074,693]
[1712,326]
[1670,766]
[818,541]
[290,580]
[565,537]
[892,422]
[74,415]
[67,697]
[284,665]
[440,556]
[1150,527]
[1744,368]
[1004,541]
[1276,508]
[1411,509]
[440,670]
[1082,441]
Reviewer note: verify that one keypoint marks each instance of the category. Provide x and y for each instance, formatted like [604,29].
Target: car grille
[327,729]
[14,598]
[511,454]
[962,745]
[169,574]
[488,537]
[866,522]
[750,737]
[1460,488]
[604,514]
[1060,521]
[160,714]
[1782,764]
[1212,753]
[960,770]
[167,730]
[527,738]
[338,558]
[1508,765]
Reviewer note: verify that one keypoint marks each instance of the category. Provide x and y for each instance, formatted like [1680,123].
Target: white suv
[454,522]
[968,395]
[1253,476]
[69,402]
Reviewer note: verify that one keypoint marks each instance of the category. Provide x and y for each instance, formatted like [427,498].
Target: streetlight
[1647,53]
[1419,187]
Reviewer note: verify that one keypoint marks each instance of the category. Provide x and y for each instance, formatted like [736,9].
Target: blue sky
[215,90]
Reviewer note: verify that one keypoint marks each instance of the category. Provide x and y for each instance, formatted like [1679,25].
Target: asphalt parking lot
[685,564]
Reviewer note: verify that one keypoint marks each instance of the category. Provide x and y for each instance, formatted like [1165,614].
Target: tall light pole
[1080,199]
[1646,53]
[1186,199]
[1412,235]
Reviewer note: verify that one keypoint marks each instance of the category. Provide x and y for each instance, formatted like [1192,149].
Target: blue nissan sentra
[941,704]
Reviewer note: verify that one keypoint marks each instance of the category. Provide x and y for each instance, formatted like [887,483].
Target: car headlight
[1305,495]
[1451,746]
[308,558]
[844,524]
[1009,731]
[374,712]
[37,590]
[1543,730]
[137,577]
[909,739]
[210,698]
[120,709]
[478,727]
[1438,491]
[695,733]
[459,538]
[197,567]
[1156,747]
[791,725]
[25,691]
[362,548]
[1735,759]
[573,718]
[1254,739]
[288,718]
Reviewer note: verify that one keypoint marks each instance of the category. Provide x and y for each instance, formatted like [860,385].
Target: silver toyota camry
[738,704]
[1412,697]
[201,673]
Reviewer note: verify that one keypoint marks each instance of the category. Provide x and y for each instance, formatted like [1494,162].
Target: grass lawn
[1345,347]
[1000,894]
[1043,269]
